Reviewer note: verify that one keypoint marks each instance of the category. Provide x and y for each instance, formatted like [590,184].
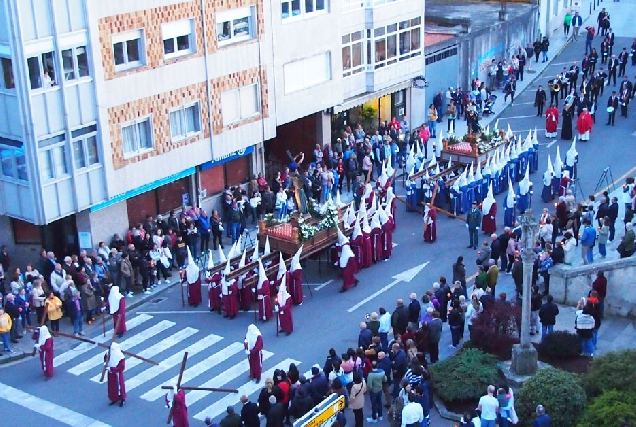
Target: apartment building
[111,110]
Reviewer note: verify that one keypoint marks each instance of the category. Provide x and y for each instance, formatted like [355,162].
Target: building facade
[114,110]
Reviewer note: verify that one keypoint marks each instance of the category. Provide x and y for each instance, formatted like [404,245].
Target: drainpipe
[196,181]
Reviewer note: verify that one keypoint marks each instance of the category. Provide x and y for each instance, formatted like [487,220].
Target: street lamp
[524,355]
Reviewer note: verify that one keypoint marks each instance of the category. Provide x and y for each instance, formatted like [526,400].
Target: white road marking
[217,408]
[405,276]
[84,347]
[551,144]
[222,379]
[98,359]
[319,287]
[171,362]
[195,370]
[46,408]
[155,349]
[518,117]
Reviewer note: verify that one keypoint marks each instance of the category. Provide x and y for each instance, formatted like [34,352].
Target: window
[137,137]
[406,35]
[185,122]
[128,50]
[307,72]
[381,2]
[25,233]
[13,163]
[178,38]
[85,147]
[53,161]
[239,104]
[235,25]
[295,8]
[75,63]
[42,70]
[7,74]
[352,53]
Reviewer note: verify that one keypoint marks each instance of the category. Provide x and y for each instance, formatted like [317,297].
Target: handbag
[221,227]
[620,248]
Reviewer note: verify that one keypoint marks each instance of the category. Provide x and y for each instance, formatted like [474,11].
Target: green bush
[560,345]
[496,330]
[560,392]
[464,376]
[614,370]
[610,408]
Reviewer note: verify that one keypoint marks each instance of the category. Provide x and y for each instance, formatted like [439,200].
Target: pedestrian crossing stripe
[169,355]
[86,347]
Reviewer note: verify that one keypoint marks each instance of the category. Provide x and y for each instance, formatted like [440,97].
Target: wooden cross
[101,380]
[182,387]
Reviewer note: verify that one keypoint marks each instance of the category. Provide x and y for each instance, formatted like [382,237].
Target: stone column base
[524,360]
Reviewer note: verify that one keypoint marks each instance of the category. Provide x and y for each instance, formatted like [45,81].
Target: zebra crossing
[205,352]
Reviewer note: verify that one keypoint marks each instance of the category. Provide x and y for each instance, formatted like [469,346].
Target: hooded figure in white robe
[296,277]
[348,267]
[509,210]
[548,175]
[524,201]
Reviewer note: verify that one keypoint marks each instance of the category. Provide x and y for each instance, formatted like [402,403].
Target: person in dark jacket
[249,413]
[270,390]
[332,357]
[434,335]
[276,413]
[414,312]
[13,311]
[300,404]
[400,318]
[442,292]
[455,323]
[319,385]
[547,314]
[536,301]
[600,287]
[364,338]
[517,276]
[399,365]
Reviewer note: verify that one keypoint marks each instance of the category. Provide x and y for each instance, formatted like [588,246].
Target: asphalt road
[327,319]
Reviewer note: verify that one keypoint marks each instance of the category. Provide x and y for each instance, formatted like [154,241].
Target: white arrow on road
[405,276]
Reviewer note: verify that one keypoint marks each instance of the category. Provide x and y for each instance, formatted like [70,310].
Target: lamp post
[524,355]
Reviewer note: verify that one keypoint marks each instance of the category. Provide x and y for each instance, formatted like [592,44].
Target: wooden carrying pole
[181,370]
[101,379]
[193,388]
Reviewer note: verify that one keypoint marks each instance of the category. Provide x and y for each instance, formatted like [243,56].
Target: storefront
[233,169]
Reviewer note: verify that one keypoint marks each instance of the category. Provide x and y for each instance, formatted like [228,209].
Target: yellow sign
[324,415]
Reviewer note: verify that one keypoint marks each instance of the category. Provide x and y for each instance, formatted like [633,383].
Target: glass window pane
[380,50]
[295,7]
[248,101]
[145,139]
[168,46]
[223,31]
[118,53]
[285,9]
[405,42]
[175,124]
[356,36]
[132,50]
[357,55]
[183,43]
[320,4]
[346,38]
[20,162]
[91,150]
[378,32]
[48,63]
[404,25]
[128,139]
[415,38]
[59,161]
[242,26]
[309,6]
[391,46]
[45,165]
[33,64]
[78,154]
[67,64]
[82,61]
[391,28]
[416,21]
[346,58]
[192,118]
[7,73]
[7,162]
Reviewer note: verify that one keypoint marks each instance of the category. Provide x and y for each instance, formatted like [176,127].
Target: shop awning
[370,96]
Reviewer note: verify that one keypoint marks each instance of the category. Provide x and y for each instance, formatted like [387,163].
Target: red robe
[367,250]
[116,385]
[387,241]
[46,357]
[348,273]
[376,243]
[246,293]
[584,123]
[296,286]
[430,232]
[551,120]
[488,224]
[230,301]
[180,410]
[255,358]
[285,317]
[356,247]
[264,301]
[194,292]
[120,313]
[214,292]
[565,184]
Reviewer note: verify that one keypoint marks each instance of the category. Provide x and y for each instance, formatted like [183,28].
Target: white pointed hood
[535,140]
[509,134]
[513,151]
[549,173]
[375,221]
[439,144]
[222,258]
[558,164]
[462,178]
[432,163]
[497,126]
[210,260]
[478,175]
[283,295]
[357,231]
[255,256]
[524,185]
[295,262]
[506,158]
[338,201]
[251,336]
[192,270]
[487,168]
[242,261]
[471,177]
[384,218]
[488,201]
[232,253]
[262,277]
[282,268]
[422,166]
[228,268]
[510,198]
[519,148]
[383,176]
[570,156]
[437,172]
[345,255]
[115,356]
[267,250]
[366,228]
[43,335]
[342,239]
[410,161]
[368,189]
[113,299]
[418,150]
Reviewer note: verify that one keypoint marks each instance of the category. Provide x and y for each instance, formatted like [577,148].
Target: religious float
[472,148]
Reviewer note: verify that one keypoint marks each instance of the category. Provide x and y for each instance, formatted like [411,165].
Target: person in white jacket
[57,278]
[569,243]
